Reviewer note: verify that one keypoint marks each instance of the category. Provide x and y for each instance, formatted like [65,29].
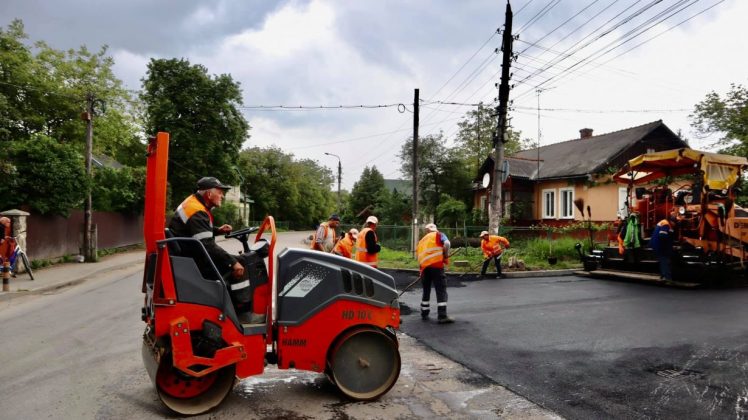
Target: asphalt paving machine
[697,190]
[312,311]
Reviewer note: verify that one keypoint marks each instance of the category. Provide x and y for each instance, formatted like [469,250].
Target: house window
[566,195]
[483,208]
[622,197]
[549,204]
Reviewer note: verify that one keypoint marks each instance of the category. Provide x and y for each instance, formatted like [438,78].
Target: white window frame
[566,212]
[546,193]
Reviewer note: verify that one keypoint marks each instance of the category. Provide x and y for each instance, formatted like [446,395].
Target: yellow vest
[430,254]
[362,255]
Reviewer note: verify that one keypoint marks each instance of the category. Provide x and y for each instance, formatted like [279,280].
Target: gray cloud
[165,28]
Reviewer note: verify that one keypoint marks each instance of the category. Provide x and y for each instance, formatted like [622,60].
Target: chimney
[585,133]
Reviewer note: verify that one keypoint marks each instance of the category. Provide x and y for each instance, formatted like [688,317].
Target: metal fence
[399,237]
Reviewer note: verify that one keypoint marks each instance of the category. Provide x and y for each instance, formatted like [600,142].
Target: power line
[630,35]
[400,106]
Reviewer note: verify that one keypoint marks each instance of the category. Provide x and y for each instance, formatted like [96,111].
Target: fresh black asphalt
[591,349]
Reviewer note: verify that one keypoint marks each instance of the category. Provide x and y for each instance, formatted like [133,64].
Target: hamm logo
[296,342]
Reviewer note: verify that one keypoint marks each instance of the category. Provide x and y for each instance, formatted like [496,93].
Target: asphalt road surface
[75,353]
[591,349]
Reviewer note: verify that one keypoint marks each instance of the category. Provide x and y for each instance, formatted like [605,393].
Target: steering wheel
[240,232]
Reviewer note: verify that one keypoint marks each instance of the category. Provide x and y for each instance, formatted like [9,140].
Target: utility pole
[340,172]
[414,243]
[500,134]
[89,246]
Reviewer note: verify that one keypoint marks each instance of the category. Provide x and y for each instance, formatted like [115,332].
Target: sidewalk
[68,274]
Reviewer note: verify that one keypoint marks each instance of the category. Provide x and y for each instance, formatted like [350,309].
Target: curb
[508,274]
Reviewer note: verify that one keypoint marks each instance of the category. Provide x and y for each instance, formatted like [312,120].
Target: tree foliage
[368,195]
[297,191]
[200,113]
[119,190]
[42,94]
[474,139]
[726,116]
[43,174]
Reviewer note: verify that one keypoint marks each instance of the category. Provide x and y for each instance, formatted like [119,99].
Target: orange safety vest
[493,245]
[362,255]
[430,254]
[326,225]
[344,247]
[188,208]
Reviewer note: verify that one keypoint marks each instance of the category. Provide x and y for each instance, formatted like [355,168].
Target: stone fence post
[18,224]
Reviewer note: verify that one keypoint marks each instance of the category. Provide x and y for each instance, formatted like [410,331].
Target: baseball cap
[354,233]
[334,217]
[430,227]
[208,182]
[483,233]
[372,219]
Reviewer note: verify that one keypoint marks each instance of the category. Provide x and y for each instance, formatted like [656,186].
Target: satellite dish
[486,180]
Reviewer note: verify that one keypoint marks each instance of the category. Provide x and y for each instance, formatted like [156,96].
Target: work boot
[446,320]
[424,316]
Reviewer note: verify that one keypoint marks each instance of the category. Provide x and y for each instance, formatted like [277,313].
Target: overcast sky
[376,52]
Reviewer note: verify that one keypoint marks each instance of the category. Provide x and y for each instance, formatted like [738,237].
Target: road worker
[326,236]
[367,244]
[661,243]
[193,219]
[344,247]
[433,255]
[493,246]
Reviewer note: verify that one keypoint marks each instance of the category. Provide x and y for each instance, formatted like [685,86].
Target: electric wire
[630,35]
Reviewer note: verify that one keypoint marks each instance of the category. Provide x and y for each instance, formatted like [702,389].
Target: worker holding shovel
[493,246]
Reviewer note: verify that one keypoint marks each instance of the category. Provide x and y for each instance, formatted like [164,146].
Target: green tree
[43,91]
[441,171]
[43,174]
[450,211]
[474,139]
[395,208]
[368,192]
[296,191]
[120,190]
[726,116]
[200,112]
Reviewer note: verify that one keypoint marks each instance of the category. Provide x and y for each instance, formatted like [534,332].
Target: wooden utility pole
[414,242]
[89,246]
[500,134]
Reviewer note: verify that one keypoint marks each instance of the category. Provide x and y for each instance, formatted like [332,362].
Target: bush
[48,176]
[119,190]
[228,213]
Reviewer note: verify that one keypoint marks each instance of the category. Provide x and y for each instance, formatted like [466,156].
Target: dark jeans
[496,261]
[665,267]
[434,276]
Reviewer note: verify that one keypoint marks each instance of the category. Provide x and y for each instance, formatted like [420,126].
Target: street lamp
[340,170]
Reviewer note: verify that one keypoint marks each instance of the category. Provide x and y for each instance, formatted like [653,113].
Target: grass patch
[533,252]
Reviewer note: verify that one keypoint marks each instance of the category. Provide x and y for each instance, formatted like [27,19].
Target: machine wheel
[364,364]
[188,395]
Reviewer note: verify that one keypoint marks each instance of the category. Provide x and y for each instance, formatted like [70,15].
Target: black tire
[27,264]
